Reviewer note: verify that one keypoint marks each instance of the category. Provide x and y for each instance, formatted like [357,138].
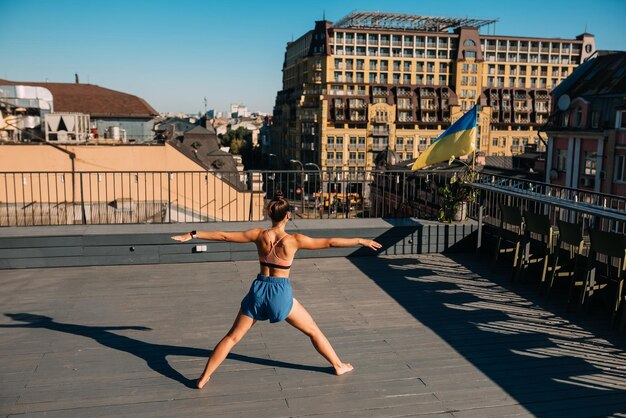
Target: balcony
[379,132]
[308,118]
[358,105]
[429,106]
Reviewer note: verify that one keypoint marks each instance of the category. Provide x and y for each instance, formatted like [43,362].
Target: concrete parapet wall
[95,245]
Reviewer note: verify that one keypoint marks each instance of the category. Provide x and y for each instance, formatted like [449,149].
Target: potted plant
[456,196]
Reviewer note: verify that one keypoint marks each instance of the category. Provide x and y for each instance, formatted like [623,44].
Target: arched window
[469,42]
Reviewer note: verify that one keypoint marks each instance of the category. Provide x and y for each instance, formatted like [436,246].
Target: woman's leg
[302,320]
[240,327]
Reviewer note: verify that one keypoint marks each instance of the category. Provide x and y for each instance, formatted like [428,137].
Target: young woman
[271,296]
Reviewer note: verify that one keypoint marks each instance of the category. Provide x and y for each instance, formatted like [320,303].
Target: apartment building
[587,131]
[377,80]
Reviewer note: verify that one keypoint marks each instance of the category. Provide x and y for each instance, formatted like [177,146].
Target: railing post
[479,237]
[302,189]
[169,196]
[82,201]
[328,191]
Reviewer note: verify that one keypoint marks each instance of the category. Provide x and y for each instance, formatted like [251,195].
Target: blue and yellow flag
[459,139]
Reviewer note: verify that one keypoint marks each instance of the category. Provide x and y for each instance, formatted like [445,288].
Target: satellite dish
[564,102]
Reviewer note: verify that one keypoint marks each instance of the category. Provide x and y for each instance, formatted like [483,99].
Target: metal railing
[61,198]
[591,209]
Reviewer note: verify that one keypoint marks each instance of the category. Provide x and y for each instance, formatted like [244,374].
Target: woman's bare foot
[202,381]
[343,369]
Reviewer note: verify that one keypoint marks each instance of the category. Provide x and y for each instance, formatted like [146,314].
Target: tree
[237,139]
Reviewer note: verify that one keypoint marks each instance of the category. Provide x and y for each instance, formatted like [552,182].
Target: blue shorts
[269,298]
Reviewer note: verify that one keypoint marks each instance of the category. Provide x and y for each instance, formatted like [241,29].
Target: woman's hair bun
[278,195]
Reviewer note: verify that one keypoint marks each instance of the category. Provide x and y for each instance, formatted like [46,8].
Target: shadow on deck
[551,361]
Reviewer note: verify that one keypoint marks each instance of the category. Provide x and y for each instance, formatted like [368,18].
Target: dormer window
[578,118]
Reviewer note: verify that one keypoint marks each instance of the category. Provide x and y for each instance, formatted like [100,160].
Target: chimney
[76,77]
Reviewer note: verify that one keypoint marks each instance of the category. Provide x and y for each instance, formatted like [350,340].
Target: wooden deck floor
[429,335]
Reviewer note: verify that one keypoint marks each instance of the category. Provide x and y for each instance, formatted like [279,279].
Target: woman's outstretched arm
[250,235]
[308,243]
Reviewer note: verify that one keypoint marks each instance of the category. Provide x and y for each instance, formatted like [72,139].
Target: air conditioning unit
[65,127]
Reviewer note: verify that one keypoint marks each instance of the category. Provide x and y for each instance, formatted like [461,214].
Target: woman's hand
[370,244]
[182,238]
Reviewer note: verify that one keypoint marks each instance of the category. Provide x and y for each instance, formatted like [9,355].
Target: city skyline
[174,58]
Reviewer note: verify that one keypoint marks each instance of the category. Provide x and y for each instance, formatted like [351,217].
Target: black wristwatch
[194,234]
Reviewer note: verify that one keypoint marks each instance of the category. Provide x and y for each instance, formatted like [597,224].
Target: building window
[331,140]
[595,119]
[330,155]
[469,54]
[339,140]
[620,168]
[494,142]
[590,163]
[469,42]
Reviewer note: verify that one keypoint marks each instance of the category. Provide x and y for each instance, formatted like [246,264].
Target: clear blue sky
[174,53]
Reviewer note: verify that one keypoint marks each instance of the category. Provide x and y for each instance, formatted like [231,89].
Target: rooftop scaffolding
[378,20]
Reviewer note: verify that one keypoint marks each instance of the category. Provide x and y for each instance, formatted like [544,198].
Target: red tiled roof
[94,100]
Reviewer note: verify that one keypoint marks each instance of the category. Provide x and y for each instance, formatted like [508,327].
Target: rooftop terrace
[438,335]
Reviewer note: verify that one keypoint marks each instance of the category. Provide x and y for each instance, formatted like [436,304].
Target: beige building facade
[42,184]
[376,80]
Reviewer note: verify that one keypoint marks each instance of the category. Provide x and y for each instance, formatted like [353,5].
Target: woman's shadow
[155,355]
